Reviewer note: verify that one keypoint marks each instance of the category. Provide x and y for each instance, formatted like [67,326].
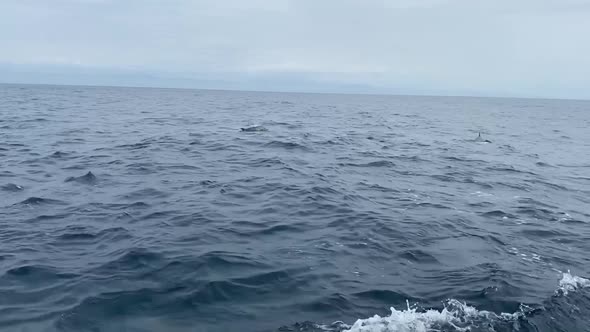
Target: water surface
[125,209]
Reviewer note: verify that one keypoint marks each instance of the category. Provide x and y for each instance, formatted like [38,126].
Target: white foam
[456,315]
[566,217]
[482,194]
[570,283]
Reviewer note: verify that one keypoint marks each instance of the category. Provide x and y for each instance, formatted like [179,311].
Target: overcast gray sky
[458,47]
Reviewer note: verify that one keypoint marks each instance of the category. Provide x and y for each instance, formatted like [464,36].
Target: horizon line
[295,92]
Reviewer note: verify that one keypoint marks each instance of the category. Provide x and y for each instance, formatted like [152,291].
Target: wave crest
[456,316]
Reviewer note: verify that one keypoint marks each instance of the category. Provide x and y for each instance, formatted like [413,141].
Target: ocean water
[128,209]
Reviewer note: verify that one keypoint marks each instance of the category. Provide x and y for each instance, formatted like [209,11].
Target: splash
[456,316]
[570,283]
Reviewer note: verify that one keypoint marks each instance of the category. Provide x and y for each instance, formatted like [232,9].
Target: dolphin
[253,129]
[88,178]
[481,140]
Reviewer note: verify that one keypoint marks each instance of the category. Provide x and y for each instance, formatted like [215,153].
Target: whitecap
[570,283]
[456,316]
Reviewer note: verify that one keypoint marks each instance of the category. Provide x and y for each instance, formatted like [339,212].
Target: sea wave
[458,316]
[455,316]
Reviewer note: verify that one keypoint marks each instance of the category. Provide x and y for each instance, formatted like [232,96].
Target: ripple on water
[146,193]
[418,256]
[378,163]
[141,210]
[82,235]
[287,145]
[41,201]
[11,187]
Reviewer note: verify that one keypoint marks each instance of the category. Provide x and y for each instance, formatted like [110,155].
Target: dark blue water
[128,209]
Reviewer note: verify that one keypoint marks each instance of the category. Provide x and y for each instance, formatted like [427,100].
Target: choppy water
[344,207]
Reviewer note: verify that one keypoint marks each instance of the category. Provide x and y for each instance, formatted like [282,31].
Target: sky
[514,48]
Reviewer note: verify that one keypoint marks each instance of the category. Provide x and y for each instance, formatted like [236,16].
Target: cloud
[528,48]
